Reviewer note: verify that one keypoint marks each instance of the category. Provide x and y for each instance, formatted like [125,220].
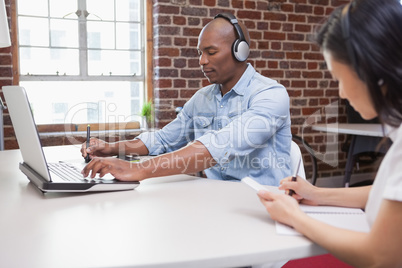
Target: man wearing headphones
[236,127]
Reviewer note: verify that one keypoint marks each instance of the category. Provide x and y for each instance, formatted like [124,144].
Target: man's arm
[190,159]
[101,148]
[174,135]
[135,146]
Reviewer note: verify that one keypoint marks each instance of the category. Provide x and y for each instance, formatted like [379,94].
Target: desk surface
[374,130]
[176,221]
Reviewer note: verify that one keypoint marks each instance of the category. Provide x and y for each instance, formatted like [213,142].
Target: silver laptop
[48,177]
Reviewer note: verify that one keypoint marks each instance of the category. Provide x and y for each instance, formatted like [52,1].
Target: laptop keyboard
[66,171]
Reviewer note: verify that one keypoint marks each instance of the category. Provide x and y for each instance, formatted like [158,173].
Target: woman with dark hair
[362,46]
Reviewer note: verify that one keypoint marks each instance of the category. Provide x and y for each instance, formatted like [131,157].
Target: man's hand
[120,169]
[96,148]
[190,159]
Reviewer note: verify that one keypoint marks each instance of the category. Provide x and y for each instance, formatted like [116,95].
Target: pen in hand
[294,177]
[87,159]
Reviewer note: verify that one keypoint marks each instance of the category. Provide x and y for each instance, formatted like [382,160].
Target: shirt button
[221,106]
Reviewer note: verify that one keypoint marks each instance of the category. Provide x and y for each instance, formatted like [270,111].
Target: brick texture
[280,49]
[6,79]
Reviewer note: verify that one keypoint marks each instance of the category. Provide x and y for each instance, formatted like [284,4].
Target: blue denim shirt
[247,131]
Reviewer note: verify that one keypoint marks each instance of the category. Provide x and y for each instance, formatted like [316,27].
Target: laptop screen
[25,129]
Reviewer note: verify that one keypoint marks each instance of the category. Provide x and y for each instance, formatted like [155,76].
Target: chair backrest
[295,155]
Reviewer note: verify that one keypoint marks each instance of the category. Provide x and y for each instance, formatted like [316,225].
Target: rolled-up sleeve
[172,137]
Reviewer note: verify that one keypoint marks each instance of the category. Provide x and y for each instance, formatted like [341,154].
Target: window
[82,61]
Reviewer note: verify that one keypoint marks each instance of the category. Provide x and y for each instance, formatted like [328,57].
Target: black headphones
[240,47]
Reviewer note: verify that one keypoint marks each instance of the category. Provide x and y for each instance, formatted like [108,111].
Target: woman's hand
[304,191]
[281,207]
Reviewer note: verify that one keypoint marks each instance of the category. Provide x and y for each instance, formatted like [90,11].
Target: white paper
[347,218]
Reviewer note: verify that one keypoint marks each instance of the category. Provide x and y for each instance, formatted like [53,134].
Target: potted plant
[147,114]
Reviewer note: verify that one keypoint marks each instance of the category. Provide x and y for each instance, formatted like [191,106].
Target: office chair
[362,149]
[304,146]
[295,155]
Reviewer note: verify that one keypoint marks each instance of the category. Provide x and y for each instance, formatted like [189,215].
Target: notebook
[353,219]
[34,164]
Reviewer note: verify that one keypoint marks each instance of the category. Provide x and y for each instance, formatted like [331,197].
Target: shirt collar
[244,80]
[242,84]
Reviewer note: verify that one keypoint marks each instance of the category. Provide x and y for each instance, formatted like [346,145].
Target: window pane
[106,62]
[128,36]
[84,102]
[36,8]
[52,45]
[61,8]
[49,61]
[100,35]
[104,9]
[64,33]
[33,31]
[128,10]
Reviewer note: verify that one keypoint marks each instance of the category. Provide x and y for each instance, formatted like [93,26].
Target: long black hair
[367,35]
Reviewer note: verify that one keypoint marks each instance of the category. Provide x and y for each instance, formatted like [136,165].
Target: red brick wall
[280,49]
[6,79]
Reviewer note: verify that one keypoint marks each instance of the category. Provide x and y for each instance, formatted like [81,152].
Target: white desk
[372,130]
[177,221]
[364,144]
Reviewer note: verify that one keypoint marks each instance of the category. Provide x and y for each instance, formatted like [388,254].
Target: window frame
[146,54]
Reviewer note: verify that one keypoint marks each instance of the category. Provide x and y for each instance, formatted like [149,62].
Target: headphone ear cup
[240,50]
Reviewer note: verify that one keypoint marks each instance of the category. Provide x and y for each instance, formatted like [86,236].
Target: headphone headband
[240,47]
[233,20]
